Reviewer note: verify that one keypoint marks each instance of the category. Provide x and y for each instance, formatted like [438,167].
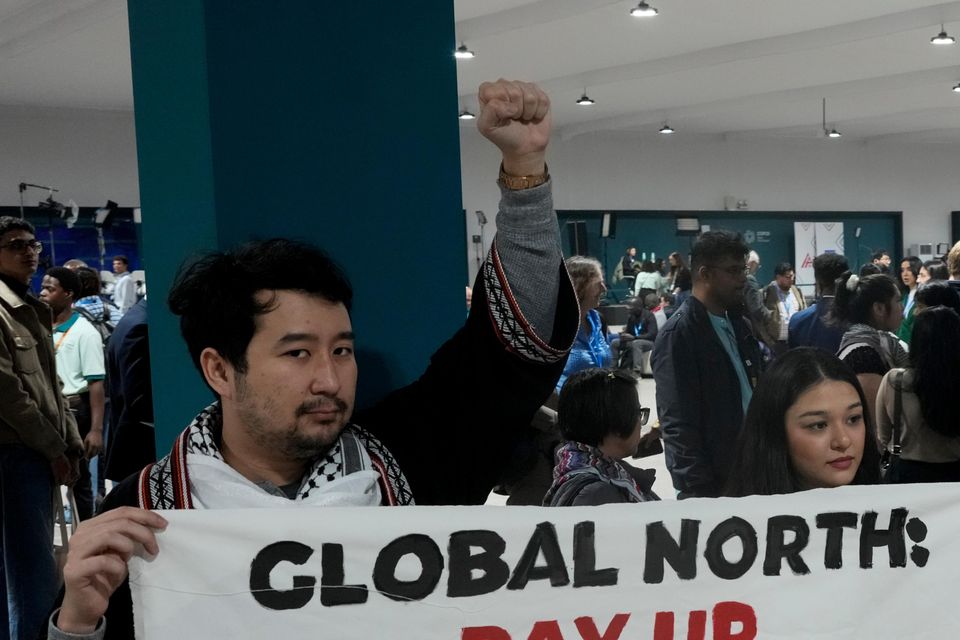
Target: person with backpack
[90,305]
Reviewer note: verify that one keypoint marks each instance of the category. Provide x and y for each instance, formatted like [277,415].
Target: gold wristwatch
[515,183]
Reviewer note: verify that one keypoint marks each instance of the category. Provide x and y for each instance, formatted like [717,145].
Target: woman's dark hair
[595,403]
[763,465]
[89,281]
[677,263]
[935,359]
[855,297]
[937,293]
[937,270]
[648,266]
[215,296]
[914,265]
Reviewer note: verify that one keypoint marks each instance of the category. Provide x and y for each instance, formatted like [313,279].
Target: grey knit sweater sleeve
[528,244]
[53,633]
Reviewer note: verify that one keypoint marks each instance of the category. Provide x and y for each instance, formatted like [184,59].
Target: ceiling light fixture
[643,10]
[585,100]
[942,37]
[666,128]
[462,53]
[466,115]
[956,88]
[832,133]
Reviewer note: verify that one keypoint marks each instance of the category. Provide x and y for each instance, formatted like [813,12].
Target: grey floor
[662,486]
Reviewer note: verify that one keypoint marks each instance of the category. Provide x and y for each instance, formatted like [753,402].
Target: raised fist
[515,116]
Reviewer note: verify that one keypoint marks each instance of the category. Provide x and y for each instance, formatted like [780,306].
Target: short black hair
[10,223]
[762,465]
[595,403]
[712,246]
[870,269]
[782,268]
[89,281]
[68,280]
[879,253]
[214,295]
[827,267]
[122,259]
[937,293]
[937,270]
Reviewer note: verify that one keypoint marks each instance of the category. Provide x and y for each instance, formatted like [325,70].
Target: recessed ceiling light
[643,10]
[666,128]
[942,37]
[462,53]
[585,100]
[466,115]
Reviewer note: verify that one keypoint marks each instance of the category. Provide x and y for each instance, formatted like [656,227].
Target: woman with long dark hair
[869,309]
[680,280]
[930,401]
[807,427]
[599,416]
[909,273]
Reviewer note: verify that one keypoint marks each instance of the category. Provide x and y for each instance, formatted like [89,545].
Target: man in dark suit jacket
[131,446]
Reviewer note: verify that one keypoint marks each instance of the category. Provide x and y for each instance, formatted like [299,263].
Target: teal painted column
[328,122]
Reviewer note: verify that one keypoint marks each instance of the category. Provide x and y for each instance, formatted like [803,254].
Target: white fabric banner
[829,237]
[856,562]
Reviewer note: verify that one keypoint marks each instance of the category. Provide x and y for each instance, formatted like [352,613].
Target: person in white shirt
[125,289]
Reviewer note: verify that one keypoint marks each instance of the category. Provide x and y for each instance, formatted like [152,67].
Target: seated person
[807,427]
[592,346]
[638,334]
[600,416]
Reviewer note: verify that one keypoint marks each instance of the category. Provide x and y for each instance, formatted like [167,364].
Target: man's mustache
[321,403]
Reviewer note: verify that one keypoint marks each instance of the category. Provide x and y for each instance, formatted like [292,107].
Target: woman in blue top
[591,349]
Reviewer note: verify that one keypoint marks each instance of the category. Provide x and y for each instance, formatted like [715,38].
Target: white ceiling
[732,67]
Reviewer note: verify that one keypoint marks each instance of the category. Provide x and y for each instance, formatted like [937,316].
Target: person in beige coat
[783,299]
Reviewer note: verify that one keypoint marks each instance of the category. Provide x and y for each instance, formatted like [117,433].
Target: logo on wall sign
[749,236]
[807,262]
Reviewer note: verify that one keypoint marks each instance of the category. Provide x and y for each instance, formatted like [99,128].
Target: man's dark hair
[870,269]
[713,246]
[782,269]
[827,267]
[89,281]
[934,352]
[9,223]
[595,403]
[763,463]
[879,253]
[122,259]
[68,280]
[937,269]
[937,293]
[214,295]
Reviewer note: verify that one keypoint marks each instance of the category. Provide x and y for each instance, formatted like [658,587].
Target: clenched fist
[515,116]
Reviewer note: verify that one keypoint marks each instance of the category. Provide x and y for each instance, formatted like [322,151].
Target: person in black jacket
[706,363]
[268,326]
[639,334]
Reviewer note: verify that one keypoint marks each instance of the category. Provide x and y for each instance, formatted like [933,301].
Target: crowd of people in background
[761,389]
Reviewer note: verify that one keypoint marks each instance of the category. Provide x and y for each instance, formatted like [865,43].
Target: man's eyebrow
[299,337]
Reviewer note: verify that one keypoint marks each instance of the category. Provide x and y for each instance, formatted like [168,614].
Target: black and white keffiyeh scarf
[358,470]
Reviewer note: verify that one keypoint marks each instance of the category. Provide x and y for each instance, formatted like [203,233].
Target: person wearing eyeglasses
[600,417]
[39,444]
[706,363]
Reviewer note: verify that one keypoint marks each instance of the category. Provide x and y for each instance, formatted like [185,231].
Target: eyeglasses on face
[19,246]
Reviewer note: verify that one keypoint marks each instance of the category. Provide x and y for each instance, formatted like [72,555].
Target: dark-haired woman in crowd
[937,293]
[932,270]
[909,273]
[869,308]
[599,415]
[680,280]
[930,401]
[807,427]
[591,348]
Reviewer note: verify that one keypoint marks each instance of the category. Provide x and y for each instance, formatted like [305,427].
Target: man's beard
[260,421]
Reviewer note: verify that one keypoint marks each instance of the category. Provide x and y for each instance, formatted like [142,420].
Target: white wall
[91,156]
[627,171]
